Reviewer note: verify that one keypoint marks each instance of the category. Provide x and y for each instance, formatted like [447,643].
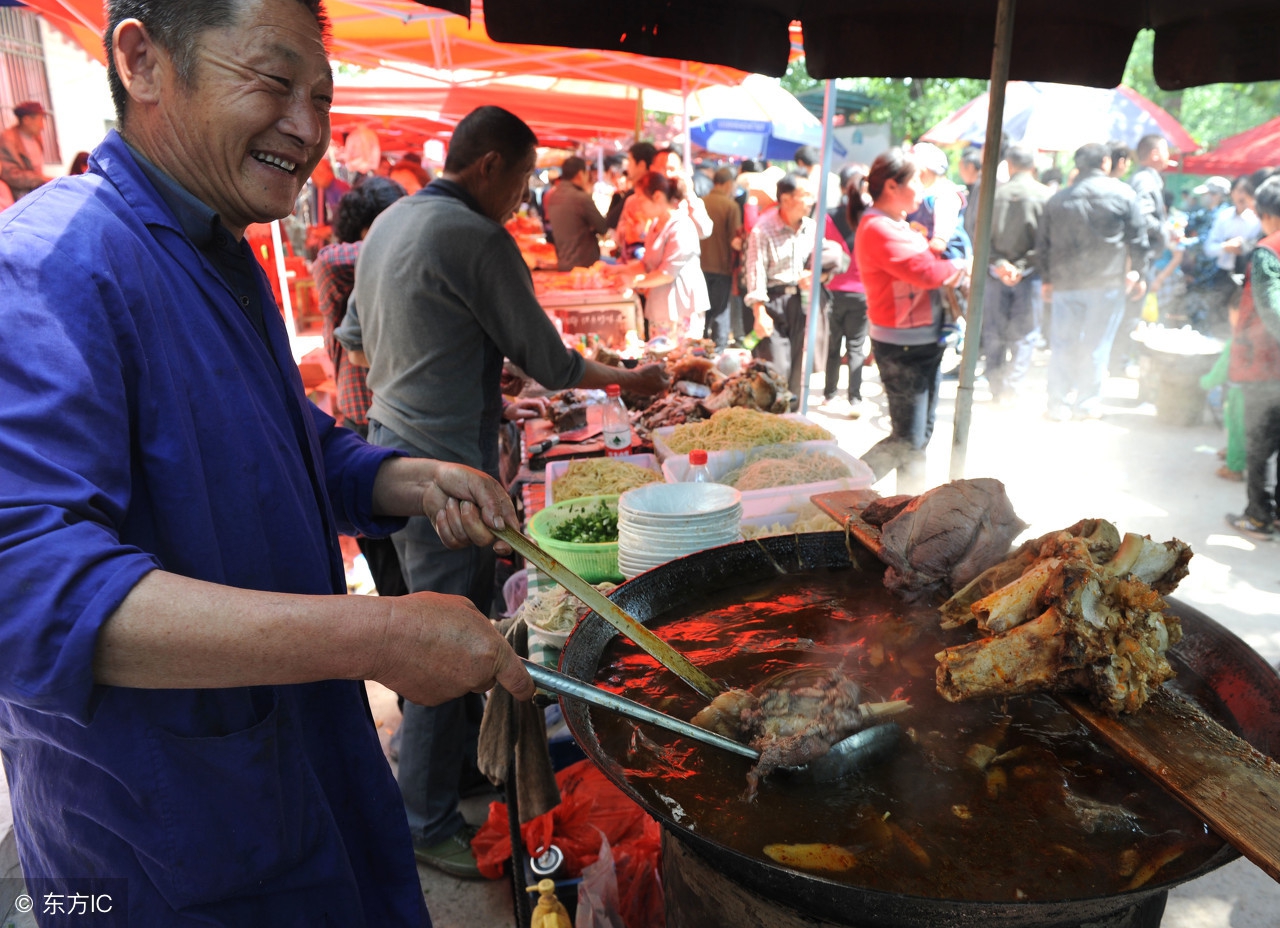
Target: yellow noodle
[600,477]
[738,427]
[784,469]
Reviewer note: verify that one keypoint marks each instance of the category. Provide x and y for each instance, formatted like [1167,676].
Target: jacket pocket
[237,810]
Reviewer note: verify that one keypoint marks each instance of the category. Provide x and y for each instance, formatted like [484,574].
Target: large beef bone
[1013,603]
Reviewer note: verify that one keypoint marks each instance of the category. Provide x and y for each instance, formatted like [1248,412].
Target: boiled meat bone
[1074,612]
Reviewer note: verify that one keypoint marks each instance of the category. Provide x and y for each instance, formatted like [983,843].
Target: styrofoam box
[776,500]
[556,469]
[663,451]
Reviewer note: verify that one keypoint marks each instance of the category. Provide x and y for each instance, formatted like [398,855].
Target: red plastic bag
[590,806]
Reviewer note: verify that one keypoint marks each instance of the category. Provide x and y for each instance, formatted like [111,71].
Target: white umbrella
[1062,117]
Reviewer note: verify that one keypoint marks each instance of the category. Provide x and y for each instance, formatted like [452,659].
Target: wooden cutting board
[1219,776]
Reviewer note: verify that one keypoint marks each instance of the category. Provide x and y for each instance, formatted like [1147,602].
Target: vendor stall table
[610,314]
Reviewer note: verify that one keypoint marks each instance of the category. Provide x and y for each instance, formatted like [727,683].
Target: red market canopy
[1245,153]
[373,32]
[424,111]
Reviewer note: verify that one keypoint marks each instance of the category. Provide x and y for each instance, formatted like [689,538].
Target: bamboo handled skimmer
[612,613]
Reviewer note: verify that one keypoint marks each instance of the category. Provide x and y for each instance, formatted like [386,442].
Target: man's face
[1159,158]
[636,169]
[968,173]
[792,207]
[254,122]
[32,125]
[505,185]
[1242,200]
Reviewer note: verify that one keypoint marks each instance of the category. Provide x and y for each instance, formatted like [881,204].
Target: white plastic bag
[598,893]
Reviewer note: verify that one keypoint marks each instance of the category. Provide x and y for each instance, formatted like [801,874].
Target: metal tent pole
[820,211]
[982,232]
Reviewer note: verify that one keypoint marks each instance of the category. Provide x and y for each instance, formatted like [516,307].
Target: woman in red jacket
[899,273]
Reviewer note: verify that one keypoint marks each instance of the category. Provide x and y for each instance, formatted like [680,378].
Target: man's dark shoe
[452,855]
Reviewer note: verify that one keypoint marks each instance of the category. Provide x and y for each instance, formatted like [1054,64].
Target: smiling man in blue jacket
[181,712]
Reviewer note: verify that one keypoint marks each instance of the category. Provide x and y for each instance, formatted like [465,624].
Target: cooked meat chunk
[947,536]
[792,718]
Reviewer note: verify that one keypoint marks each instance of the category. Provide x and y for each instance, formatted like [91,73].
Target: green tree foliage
[1209,113]
[911,105]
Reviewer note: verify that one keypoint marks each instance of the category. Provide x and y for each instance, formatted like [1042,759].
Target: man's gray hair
[173,25]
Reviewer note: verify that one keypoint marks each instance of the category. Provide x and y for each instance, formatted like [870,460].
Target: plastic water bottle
[698,472]
[617,423]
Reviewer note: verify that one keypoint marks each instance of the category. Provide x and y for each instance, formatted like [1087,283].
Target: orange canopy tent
[425,111]
[371,32]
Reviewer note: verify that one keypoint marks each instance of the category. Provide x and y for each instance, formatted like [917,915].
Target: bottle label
[617,443]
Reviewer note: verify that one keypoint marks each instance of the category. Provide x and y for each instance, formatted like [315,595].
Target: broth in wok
[985,801]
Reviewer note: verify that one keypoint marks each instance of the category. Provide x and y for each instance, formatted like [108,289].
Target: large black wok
[1246,684]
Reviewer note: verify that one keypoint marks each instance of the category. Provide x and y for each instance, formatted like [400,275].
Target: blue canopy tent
[749,138]
[755,119]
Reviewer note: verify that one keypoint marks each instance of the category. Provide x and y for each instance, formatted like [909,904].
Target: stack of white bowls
[659,522]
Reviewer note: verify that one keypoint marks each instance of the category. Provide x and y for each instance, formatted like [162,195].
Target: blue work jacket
[145,424]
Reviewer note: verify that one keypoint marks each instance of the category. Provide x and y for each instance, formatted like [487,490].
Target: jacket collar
[198,220]
[114,159]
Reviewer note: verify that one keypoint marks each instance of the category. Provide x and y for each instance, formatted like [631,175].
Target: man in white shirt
[778,248]
[1233,235]
[1235,231]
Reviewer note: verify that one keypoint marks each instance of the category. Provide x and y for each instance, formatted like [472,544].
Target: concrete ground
[1127,467]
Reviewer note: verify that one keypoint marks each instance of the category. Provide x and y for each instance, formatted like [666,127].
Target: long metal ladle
[563,685]
[612,613]
[844,757]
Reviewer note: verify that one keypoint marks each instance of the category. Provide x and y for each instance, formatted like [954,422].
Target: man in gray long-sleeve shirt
[575,222]
[443,297]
